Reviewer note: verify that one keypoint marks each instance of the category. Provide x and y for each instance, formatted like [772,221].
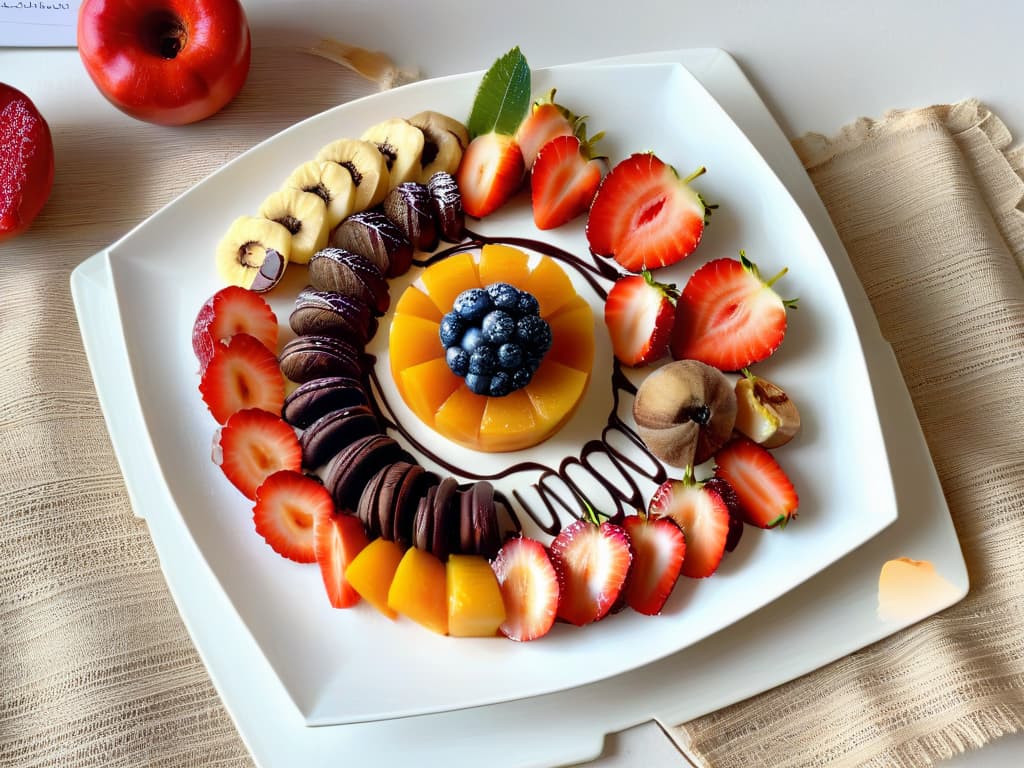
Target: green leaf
[503,97]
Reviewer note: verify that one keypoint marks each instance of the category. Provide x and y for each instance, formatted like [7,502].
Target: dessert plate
[163,271]
[825,618]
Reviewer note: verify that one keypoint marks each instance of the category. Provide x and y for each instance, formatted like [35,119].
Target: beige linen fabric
[928,204]
[96,668]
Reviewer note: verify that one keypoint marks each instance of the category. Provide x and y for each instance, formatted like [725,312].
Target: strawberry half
[287,503]
[644,216]
[564,180]
[766,495]
[703,516]
[592,562]
[529,589]
[254,444]
[229,311]
[546,121]
[659,549]
[640,313]
[337,539]
[489,174]
[242,374]
[728,317]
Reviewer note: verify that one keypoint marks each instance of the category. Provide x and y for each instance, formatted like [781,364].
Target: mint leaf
[503,97]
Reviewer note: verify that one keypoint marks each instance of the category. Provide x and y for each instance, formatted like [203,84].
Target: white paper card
[31,23]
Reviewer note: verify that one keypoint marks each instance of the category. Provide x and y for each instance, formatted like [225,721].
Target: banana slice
[445,138]
[304,215]
[366,167]
[253,253]
[401,143]
[331,183]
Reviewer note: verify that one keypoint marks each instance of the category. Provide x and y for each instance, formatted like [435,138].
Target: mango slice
[419,590]
[503,264]
[371,572]
[475,605]
[446,279]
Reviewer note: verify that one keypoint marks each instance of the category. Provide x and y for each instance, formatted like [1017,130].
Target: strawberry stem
[699,172]
[771,282]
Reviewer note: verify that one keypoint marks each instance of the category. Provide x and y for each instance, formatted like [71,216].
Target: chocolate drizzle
[607,460]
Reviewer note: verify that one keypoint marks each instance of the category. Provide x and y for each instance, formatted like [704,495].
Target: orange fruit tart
[536,366]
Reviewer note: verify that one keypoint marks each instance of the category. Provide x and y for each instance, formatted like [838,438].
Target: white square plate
[163,271]
[823,619]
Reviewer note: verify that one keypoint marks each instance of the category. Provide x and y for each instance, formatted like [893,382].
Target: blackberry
[478,385]
[498,326]
[527,304]
[458,360]
[483,361]
[494,338]
[472,304]
[510,356]
[452,328]
[501,384]
[503,295]
[533,333]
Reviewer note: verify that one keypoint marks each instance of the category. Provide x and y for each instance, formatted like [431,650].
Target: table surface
[817,66]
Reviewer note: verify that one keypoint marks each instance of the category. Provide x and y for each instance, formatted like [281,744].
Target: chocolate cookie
[329,434]
[335,269]
[318,397]
[350,470]
[374,236]
[329,313]
[305,358]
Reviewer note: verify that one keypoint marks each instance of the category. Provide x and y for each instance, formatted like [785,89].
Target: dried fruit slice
[444,140]
[401,144]
[254,253]
[304,215]
[366,167]
[328,181]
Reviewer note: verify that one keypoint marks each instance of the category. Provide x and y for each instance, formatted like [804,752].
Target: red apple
[169,62]
[26,162]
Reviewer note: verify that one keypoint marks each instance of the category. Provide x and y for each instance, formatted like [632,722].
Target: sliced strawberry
[703,516]
[337,539]
[242,374]
[640,313]
[564,179]
[287,503]
[659,548]
[728,317]
[767,496]
[592,562]
[490,173]
[529,589]
[644,216]
[254,444]
[732,503]
[546,121]
[229,311]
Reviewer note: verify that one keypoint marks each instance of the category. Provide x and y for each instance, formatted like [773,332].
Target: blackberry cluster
[495,338]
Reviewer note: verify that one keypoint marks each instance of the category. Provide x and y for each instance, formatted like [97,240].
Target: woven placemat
[96,668]
[928,205]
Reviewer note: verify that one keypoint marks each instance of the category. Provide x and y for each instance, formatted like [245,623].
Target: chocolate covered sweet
[348,473]
[329,434]
[377,238]
[318,397]
[329,313]
[446,203]
[336,269]
[409,206]
[305,358]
